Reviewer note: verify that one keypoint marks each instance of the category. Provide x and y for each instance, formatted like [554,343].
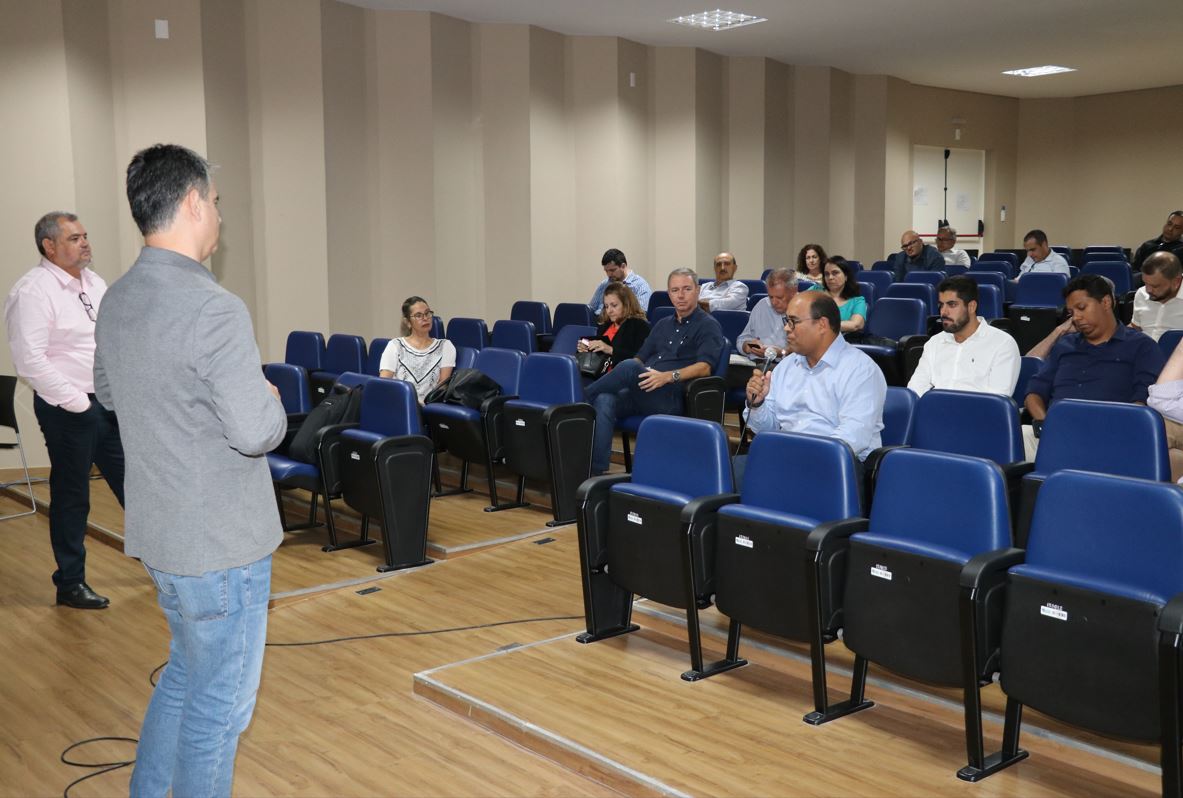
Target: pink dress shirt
[51,334]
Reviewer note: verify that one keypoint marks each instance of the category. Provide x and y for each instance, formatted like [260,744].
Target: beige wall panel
[159,91]
[989,124]
[35,148]
[227,130]
[101,202]
[404,226]
[674,164]
[503,93]
[288,161]
[634,231]
[709,166]
[746,163]
[842,165]
[348,171]
[778,165]
[870,123]
[897,148]
[554,270]
[1047,167]
[811,157]
[459,227]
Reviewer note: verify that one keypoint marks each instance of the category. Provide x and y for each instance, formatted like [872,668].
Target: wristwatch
[677,375]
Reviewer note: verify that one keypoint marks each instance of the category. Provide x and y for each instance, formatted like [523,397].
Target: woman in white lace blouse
[418,358]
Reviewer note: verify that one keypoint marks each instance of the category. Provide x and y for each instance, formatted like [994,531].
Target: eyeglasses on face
[911,243]
[85,300]
[791,322]
[424,316]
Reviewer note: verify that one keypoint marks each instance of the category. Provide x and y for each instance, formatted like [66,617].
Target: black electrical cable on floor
[108,767]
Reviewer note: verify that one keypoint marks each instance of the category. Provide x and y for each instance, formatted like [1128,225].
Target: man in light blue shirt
[826,387]
[1041,258]
[617,271]
[766,324]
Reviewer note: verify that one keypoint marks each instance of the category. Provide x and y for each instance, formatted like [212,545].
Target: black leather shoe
[81,597]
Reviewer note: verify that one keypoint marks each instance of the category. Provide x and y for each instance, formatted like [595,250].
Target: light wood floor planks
[453,713]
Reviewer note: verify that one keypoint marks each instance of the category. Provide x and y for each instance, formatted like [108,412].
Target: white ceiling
[1117,45]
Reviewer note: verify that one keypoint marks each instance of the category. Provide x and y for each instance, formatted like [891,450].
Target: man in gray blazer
[177,362]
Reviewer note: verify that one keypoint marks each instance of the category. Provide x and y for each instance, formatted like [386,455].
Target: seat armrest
[1170,620]
[983,569]
[908,341]
[706,504]
[828,535]
[1013,471]
[491,410]
[327,444]
[595,486]
[572,409]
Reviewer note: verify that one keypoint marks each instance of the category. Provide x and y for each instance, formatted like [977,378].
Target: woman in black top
[623,326]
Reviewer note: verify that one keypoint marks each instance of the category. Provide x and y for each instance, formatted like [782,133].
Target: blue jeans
[616,395]
[206,693]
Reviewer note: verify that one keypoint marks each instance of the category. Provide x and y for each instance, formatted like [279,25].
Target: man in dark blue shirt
[1102,360]
[680,347]
[915,256]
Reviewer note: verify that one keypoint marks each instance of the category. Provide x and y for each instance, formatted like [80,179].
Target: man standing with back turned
[177,362]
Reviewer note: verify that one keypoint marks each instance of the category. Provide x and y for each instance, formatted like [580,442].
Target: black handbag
[341,406]
[591,364]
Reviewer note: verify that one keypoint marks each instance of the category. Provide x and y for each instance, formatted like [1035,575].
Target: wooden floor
[514,709]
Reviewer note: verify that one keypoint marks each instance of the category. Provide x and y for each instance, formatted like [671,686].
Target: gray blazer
[177,362]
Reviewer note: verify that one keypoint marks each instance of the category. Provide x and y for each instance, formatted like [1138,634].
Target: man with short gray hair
[679,348]
[177,361]
[50,315]
[766,325]
[1157,304]
[946,245]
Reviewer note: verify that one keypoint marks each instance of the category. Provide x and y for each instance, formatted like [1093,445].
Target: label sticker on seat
[444,426]
[881,572]
[635,518]
[355,455]
[519,422]
[1053,611]
[745,541]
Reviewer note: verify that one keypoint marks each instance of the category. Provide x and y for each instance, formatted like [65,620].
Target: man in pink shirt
[51,314]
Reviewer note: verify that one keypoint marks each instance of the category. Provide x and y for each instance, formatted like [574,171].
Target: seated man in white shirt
[1157,304]
[724,293]
[969,355]
[1041,258]
[946,245]
[766,326]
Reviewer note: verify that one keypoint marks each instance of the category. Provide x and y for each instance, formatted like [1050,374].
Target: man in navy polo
[679,348]
[1102,360]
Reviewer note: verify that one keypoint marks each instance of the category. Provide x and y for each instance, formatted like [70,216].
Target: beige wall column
[459,208]
[897,142]
[811,157]
[778,166]
[709,161]
[840,240]
[745,175]
[159,91]
[403,224]
[674,162]
[870,123]
[502,67]
[1048,165]
[286,100]
[556,275]
[228,136]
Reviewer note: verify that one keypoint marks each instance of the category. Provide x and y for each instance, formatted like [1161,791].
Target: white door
[963,204]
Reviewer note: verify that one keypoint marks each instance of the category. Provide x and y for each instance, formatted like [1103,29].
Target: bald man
[915,256]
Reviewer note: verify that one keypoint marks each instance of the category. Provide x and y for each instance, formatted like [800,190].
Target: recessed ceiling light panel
[717,20]
[1035,72]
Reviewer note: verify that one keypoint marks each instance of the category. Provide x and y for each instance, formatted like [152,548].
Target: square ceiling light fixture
[717,20]
[1035,72]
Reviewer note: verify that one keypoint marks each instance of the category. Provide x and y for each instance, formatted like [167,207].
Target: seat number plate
[881,572]
[1053,611]
[635,518]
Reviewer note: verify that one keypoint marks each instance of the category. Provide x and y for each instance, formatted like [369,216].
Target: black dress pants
[76,441]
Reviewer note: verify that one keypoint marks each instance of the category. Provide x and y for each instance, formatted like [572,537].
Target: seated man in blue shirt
[915,256]
[1102,360]
[766,326]
[616,270]
[826,387]
[1041,258]
[679,348]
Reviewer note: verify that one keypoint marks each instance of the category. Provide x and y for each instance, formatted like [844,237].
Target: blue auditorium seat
[472,333]
[878,278]
[1094,616]
[638,532]
[932,278]
[537,313]
[1118,272]
[510,334]
[374,358]
[732,322]
[342,353]
[902,320]
[292,382]
[926,292]
[567,339]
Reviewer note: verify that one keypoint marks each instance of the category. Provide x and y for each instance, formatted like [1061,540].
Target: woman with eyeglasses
[811,262]
[623,326]
[418,358]
[843,288]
